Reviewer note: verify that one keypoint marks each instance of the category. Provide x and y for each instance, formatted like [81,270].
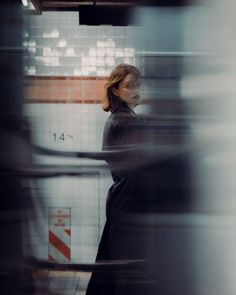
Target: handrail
[102,266]
[47,171]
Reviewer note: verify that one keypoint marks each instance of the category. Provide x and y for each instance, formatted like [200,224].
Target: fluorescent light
[25,2]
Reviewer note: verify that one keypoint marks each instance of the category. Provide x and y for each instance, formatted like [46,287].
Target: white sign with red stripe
[59,234]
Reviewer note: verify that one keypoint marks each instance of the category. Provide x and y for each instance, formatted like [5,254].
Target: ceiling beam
[76,3]
[63,4]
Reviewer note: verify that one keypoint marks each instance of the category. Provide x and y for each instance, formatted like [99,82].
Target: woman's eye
[131,86]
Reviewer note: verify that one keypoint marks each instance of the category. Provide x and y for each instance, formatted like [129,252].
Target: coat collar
[124,108]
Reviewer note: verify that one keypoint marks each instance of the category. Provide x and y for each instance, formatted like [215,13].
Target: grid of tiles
[58,45]
[68,127]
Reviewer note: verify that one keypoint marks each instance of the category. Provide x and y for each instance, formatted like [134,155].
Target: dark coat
[116,241]
[136,192]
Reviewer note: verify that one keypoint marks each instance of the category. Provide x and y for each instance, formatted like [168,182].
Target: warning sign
[59,217]
[59,234]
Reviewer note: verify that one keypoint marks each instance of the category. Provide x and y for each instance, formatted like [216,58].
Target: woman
[122,95]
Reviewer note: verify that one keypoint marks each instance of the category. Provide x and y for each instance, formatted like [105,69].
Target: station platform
[60,282]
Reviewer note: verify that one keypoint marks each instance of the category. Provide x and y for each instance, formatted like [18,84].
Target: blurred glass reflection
[189,70]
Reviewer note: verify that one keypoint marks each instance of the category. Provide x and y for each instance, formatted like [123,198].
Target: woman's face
[128,90]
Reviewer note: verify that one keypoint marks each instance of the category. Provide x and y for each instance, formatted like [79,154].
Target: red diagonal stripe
[67,231]
[57,243]
[50,258]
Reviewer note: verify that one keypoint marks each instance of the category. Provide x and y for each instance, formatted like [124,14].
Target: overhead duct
[105,15]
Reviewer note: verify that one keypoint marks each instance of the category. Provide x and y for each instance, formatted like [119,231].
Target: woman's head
[122,87]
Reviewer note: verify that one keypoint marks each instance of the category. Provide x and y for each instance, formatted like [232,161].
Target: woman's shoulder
[121,117]
[117,118]
[112,122]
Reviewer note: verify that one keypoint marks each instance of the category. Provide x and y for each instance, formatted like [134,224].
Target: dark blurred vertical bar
[11,58]
[168,244]
[11,106]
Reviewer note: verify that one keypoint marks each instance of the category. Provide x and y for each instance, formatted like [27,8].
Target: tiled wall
[68,127]
[58,45]
[65,68]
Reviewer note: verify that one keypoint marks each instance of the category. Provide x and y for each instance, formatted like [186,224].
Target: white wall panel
[82,126]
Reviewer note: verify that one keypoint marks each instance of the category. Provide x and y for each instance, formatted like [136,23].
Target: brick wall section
[64,89]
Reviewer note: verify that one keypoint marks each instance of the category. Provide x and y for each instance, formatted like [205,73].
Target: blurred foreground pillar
[13,199]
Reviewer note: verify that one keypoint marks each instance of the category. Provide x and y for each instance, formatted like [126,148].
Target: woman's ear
[115,91]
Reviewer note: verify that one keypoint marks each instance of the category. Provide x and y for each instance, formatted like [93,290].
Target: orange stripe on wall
[44,89]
